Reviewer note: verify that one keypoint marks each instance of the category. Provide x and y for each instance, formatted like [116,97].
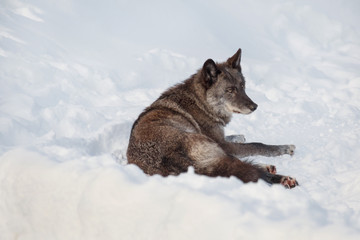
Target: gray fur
[185,127]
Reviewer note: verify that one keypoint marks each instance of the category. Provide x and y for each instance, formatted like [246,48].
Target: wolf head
[225,87]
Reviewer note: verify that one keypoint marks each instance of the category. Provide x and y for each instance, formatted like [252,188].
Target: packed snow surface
[74,75]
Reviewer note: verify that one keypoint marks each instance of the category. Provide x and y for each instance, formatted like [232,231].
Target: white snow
[74,75]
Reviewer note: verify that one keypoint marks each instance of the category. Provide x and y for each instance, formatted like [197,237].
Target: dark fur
[185,127]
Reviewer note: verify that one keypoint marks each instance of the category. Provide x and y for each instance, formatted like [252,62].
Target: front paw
[288,149]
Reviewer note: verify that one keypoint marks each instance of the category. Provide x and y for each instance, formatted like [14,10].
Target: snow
[75,75]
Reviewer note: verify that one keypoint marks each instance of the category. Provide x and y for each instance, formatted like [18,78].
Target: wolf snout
[252,106]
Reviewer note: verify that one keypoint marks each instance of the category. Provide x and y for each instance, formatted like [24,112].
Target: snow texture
[74,76]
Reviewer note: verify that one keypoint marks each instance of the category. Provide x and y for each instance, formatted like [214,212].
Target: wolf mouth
[247,111]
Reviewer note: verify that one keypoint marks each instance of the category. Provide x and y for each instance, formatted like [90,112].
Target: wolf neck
[191,96]
[199,108]
[200,94]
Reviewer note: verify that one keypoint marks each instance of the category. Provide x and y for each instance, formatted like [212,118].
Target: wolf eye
[231,90]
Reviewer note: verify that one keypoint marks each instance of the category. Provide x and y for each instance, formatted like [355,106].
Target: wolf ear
[210,72]
[234,61]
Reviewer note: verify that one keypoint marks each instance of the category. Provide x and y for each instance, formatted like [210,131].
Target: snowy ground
[74,76]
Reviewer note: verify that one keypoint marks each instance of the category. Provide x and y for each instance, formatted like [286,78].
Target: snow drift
[75,75]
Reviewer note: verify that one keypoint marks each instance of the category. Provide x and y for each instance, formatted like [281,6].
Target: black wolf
[185,127]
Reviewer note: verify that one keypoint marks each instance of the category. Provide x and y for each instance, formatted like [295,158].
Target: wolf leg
[211,160]
[250,149]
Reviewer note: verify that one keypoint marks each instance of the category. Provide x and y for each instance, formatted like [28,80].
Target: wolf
[185,127]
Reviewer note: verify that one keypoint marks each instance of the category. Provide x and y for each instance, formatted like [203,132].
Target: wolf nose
[253,106]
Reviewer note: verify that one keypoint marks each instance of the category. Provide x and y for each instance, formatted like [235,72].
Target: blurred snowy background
[74,75]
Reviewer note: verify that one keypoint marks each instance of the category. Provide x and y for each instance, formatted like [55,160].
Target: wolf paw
[289,182]
[235,138]
[271,169]
[288,149]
